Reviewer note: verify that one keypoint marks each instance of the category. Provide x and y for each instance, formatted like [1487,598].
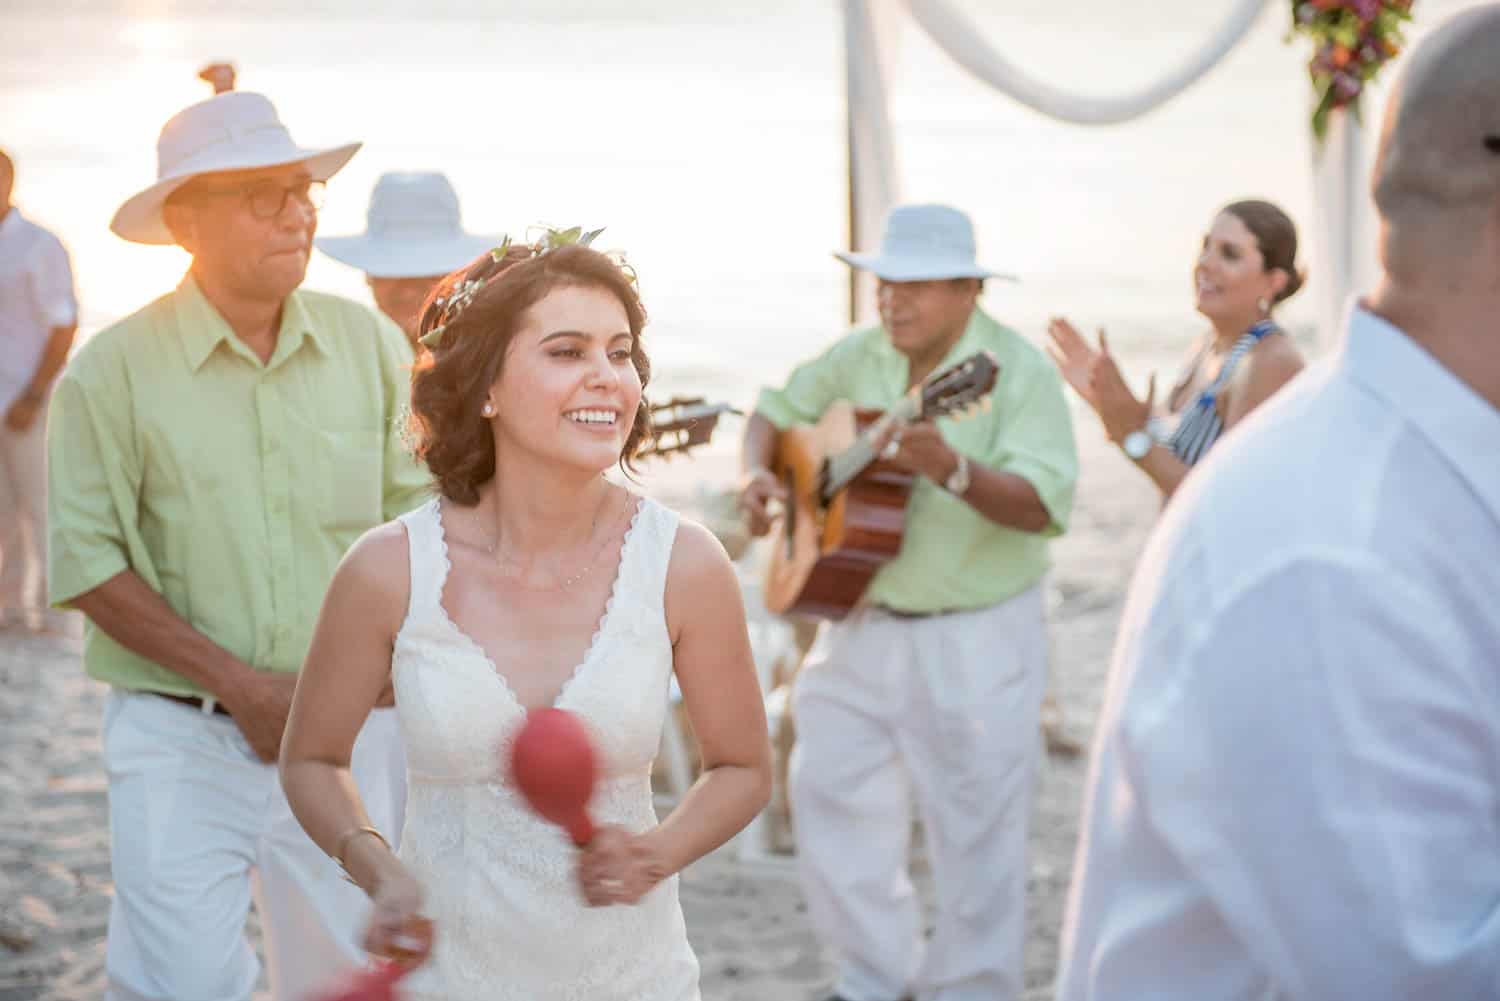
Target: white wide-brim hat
[923,243]
[236,130]
[413,230]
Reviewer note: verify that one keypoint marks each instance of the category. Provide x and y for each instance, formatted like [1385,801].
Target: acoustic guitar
[680,425]
[845,511]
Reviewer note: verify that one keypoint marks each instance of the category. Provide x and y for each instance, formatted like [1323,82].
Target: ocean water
[707,138]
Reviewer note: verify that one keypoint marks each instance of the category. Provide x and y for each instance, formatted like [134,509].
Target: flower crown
[462,294]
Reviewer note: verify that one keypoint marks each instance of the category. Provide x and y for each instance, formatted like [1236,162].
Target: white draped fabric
[1341,245]
[958,37]
[870,29]
[1343,227]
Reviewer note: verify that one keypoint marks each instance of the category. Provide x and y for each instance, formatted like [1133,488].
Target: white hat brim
[139,220]
[397,258]
[918,269]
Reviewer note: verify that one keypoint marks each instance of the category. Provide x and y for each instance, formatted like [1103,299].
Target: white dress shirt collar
[1460,424]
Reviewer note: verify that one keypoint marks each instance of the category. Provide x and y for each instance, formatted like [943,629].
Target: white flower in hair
[456,301]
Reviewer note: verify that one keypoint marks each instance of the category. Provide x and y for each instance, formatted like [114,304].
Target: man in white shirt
[1296,784]
[38,316]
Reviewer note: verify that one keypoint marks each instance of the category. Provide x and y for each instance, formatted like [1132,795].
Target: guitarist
[933,684]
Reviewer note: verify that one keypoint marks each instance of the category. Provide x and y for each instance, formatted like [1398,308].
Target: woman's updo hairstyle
[467,325]
[1276,235]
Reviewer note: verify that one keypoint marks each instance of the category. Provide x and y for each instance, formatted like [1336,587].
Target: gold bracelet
[343,847]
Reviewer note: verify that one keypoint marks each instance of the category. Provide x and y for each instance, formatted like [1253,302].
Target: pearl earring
[488,410]
[1264,305]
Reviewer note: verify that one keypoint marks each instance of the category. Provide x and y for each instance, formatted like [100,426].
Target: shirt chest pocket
[343,482]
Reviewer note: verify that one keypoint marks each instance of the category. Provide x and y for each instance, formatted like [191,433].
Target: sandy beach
[746,920]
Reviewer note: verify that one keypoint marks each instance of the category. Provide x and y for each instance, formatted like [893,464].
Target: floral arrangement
[1352,40]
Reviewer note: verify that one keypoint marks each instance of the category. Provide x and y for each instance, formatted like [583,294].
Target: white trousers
[199,826]
[23,521]
[945,708]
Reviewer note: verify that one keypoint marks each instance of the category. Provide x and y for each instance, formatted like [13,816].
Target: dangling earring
[1264,305]
[488,410]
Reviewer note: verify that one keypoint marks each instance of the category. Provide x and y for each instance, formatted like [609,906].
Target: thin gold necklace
[494,545]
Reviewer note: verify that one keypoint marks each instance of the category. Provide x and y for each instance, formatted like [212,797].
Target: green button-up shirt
[952,557]
[232,487]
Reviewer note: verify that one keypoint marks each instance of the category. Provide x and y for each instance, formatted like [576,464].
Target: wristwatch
[1138,443]
[958,483]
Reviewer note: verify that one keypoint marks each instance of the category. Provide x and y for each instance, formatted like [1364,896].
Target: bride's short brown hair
[450,380]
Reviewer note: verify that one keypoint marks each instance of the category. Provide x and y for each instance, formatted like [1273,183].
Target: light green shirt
[232,487]
[952,557]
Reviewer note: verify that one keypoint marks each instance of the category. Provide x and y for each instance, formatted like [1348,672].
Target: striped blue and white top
[1200,423]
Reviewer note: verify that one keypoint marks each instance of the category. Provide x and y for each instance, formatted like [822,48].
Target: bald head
[1437,176]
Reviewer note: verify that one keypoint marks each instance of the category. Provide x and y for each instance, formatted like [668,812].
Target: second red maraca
[553,764]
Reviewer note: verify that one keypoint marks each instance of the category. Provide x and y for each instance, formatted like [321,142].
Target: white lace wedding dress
[511,924]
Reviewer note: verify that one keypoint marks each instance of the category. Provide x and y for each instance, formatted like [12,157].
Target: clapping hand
[218,75]
[1094,375]
[1073,357]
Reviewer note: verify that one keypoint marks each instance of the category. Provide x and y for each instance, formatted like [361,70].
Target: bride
[531,580]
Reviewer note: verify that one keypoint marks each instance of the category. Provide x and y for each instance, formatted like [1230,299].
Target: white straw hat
[923,243]
[237,130]
[413,230]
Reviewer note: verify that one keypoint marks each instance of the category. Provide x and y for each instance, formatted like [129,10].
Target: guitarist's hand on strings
[920,449]
[757,490]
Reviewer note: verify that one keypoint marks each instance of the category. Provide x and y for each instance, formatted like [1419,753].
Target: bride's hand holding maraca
[554,765]
[397,929]
[617,867]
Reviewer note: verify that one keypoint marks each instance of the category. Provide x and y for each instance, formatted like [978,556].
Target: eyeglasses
[267,197]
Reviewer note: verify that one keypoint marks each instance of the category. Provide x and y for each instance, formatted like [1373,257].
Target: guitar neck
[683,413]
[848,464]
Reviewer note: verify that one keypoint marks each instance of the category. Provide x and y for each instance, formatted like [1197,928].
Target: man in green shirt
[211,458]
[933,684]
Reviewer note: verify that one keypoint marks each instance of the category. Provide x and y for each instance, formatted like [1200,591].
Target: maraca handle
[582,829]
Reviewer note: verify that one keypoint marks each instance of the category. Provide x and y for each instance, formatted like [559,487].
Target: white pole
[870,28]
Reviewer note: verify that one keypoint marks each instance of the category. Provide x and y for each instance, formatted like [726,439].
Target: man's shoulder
[34,234]
[352,323]
[858,342]
[1008,345]
[1269,506]
[329,307]
[1292,474]
[52,241]
[115,345]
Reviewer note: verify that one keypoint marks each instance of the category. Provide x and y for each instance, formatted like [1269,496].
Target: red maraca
[378,982]
[552,762]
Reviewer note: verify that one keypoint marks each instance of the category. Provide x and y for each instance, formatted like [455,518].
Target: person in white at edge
[38,316]
[1296,788]
[413,238]
[242,416]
